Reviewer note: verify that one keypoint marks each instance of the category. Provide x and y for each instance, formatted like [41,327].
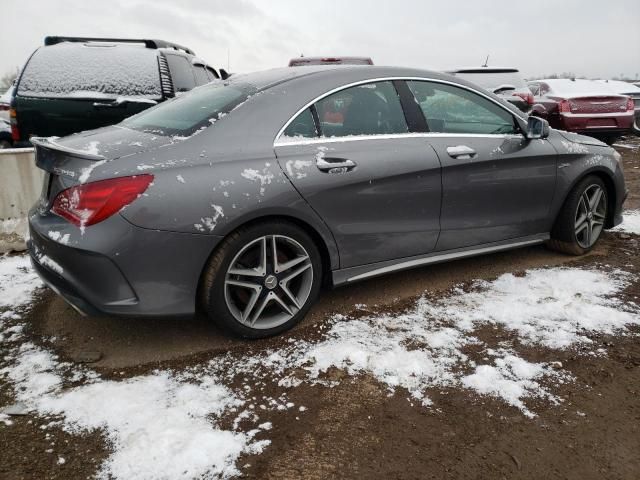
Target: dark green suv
[72,84]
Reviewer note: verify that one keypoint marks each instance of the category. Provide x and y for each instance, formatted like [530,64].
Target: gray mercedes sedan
[243,198]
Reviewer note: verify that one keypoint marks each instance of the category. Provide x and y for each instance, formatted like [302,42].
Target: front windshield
[191,111]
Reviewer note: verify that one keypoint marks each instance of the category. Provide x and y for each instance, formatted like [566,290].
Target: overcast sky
[595,38]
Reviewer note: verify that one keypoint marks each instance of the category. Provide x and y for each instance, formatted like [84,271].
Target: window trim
[277,141]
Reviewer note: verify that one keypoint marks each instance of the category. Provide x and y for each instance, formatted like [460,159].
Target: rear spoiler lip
[46,142]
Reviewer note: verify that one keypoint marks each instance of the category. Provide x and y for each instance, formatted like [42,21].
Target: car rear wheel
[262,280]
[582,218]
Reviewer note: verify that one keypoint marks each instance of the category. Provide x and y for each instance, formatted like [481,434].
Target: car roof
[265,79]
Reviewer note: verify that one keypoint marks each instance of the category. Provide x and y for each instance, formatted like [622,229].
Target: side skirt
[353,274]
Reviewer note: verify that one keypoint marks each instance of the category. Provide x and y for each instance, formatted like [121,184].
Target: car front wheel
[582,218]
[262,279]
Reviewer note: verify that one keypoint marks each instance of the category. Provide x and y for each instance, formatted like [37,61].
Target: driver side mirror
[537,128]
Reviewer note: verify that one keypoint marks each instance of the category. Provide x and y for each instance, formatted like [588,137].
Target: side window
[370,109]
[213,75]
[181,73]
[201,75]
[302,126]
[450,109]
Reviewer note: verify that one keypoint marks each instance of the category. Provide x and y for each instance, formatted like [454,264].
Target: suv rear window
[95,71]
[186,114]
[491,80]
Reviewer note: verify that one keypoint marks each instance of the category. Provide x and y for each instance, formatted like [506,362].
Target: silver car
[245,197]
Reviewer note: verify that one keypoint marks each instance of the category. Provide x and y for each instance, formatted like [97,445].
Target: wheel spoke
[291,263]
[595,199]
[588,234]
[581,227]
[285,288]
[246,314]
[243,284]
[284,306]
[274,253]
[265,301]
[580,221]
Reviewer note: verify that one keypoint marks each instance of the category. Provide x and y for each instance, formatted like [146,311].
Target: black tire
[5,144]
[563,235]
[215,293]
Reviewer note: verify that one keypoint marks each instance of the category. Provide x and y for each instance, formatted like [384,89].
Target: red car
[583,106]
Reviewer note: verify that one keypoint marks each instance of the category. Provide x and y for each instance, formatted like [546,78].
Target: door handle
[334,165]
[461,152]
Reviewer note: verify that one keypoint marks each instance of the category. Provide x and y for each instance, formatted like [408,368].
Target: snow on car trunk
[167,424]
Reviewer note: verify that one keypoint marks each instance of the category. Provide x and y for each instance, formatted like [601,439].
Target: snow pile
[14,233]
[512,379]
[18,283]
[630,222]
[158,425]
[555,308]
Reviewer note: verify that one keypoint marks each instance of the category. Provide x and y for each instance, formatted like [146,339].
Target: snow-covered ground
[168,423]
[630,222]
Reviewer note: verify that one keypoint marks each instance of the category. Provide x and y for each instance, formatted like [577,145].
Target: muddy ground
[356,430]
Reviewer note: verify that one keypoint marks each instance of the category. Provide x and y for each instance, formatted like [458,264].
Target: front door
[376,185]
[497,185]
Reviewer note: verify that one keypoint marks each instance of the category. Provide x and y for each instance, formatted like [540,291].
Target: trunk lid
[71,160]
[598,104]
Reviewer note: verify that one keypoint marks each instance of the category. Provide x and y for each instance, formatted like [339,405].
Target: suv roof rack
[149,43]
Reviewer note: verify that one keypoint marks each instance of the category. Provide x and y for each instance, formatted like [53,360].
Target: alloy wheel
[268,281]
[590,215]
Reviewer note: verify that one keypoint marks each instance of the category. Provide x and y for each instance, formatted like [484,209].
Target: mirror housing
[537,128]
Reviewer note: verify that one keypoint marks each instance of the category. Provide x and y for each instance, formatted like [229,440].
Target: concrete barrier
[20,186]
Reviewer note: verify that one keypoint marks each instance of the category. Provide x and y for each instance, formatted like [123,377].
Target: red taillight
[13,120]
[527,97]
[564,106]
[87,204]
[630,104]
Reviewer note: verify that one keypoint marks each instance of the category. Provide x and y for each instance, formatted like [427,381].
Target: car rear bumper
[615,123]
[118,269]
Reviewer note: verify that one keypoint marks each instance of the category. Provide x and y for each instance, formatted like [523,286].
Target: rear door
[376,185]
[497,185]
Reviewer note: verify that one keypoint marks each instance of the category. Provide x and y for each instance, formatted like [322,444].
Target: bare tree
[7,79]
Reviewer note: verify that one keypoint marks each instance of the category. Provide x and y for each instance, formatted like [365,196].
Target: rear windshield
[491,80]
[100,70]
[191,111]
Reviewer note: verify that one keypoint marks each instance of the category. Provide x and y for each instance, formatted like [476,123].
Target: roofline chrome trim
[443,257]
[355,138]
[389,79]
